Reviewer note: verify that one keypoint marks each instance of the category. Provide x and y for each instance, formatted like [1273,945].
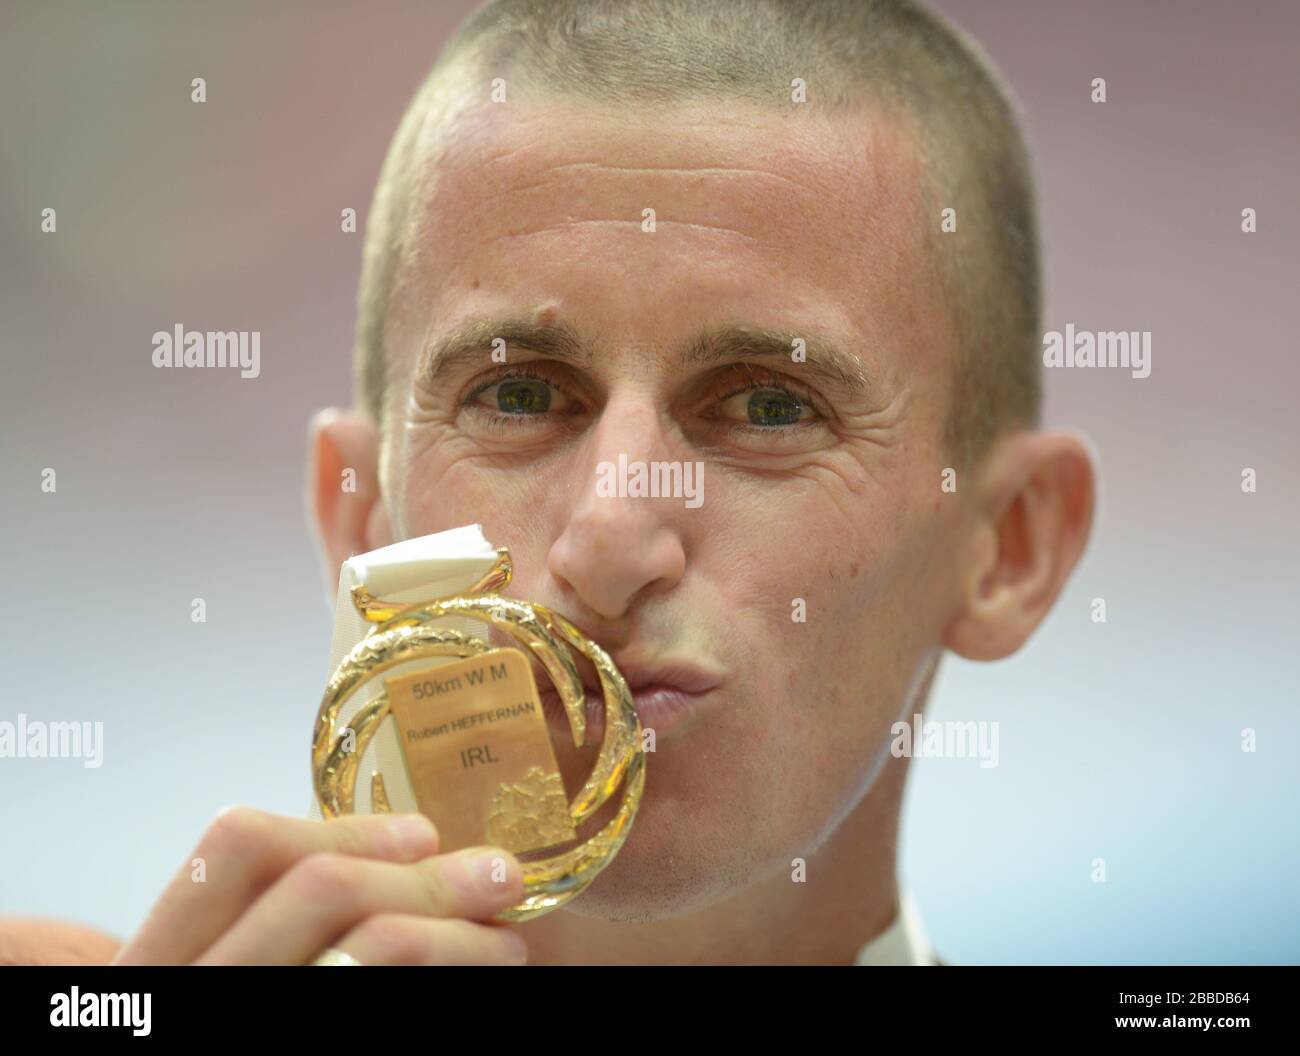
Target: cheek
[805,564]
[829,606]
[443,485]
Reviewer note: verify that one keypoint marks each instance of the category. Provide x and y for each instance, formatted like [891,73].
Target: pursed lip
[665,693]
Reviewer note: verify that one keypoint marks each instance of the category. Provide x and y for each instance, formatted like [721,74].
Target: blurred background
[1119,741]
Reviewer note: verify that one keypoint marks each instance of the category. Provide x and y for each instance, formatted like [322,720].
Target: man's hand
[281,890]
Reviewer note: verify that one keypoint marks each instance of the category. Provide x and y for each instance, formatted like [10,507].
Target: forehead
[644,226]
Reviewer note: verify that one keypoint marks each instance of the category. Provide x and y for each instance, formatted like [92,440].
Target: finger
[395,938]
[325,896]
[243,852]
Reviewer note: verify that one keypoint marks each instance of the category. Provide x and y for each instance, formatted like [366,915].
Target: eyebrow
[466,346]
[822,360]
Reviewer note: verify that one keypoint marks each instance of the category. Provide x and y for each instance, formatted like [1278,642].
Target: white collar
[903,942]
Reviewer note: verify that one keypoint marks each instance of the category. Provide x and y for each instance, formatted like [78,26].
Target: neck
[848,897]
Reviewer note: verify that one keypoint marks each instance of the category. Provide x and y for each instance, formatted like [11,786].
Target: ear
[1030,521]
[343,489]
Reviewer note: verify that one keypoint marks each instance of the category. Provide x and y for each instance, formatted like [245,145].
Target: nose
[618,548]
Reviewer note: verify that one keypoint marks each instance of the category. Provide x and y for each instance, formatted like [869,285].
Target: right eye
[522,396]
[519,396]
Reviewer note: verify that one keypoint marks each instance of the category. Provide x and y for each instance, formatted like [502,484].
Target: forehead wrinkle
[493,142]
[633,223]
[669,170]
[692,191]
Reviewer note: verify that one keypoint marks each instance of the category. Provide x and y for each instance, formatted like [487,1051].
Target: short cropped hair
[893,54]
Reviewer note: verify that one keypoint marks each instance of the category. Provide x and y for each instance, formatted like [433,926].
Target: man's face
[818,500]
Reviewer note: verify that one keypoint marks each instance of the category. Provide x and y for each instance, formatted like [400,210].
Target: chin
[674,863]
[632,891]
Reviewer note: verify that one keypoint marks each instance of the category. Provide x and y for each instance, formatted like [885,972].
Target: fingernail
[516,948]
[413,832]
[486,869]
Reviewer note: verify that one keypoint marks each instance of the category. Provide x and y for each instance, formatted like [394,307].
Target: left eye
[766,407]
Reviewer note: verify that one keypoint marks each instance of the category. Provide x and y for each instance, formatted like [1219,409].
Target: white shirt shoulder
[903,942]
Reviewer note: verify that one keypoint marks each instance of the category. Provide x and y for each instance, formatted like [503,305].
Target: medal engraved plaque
[472,735]
[478,755]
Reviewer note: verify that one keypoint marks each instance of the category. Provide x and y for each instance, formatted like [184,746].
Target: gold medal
[473,737]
